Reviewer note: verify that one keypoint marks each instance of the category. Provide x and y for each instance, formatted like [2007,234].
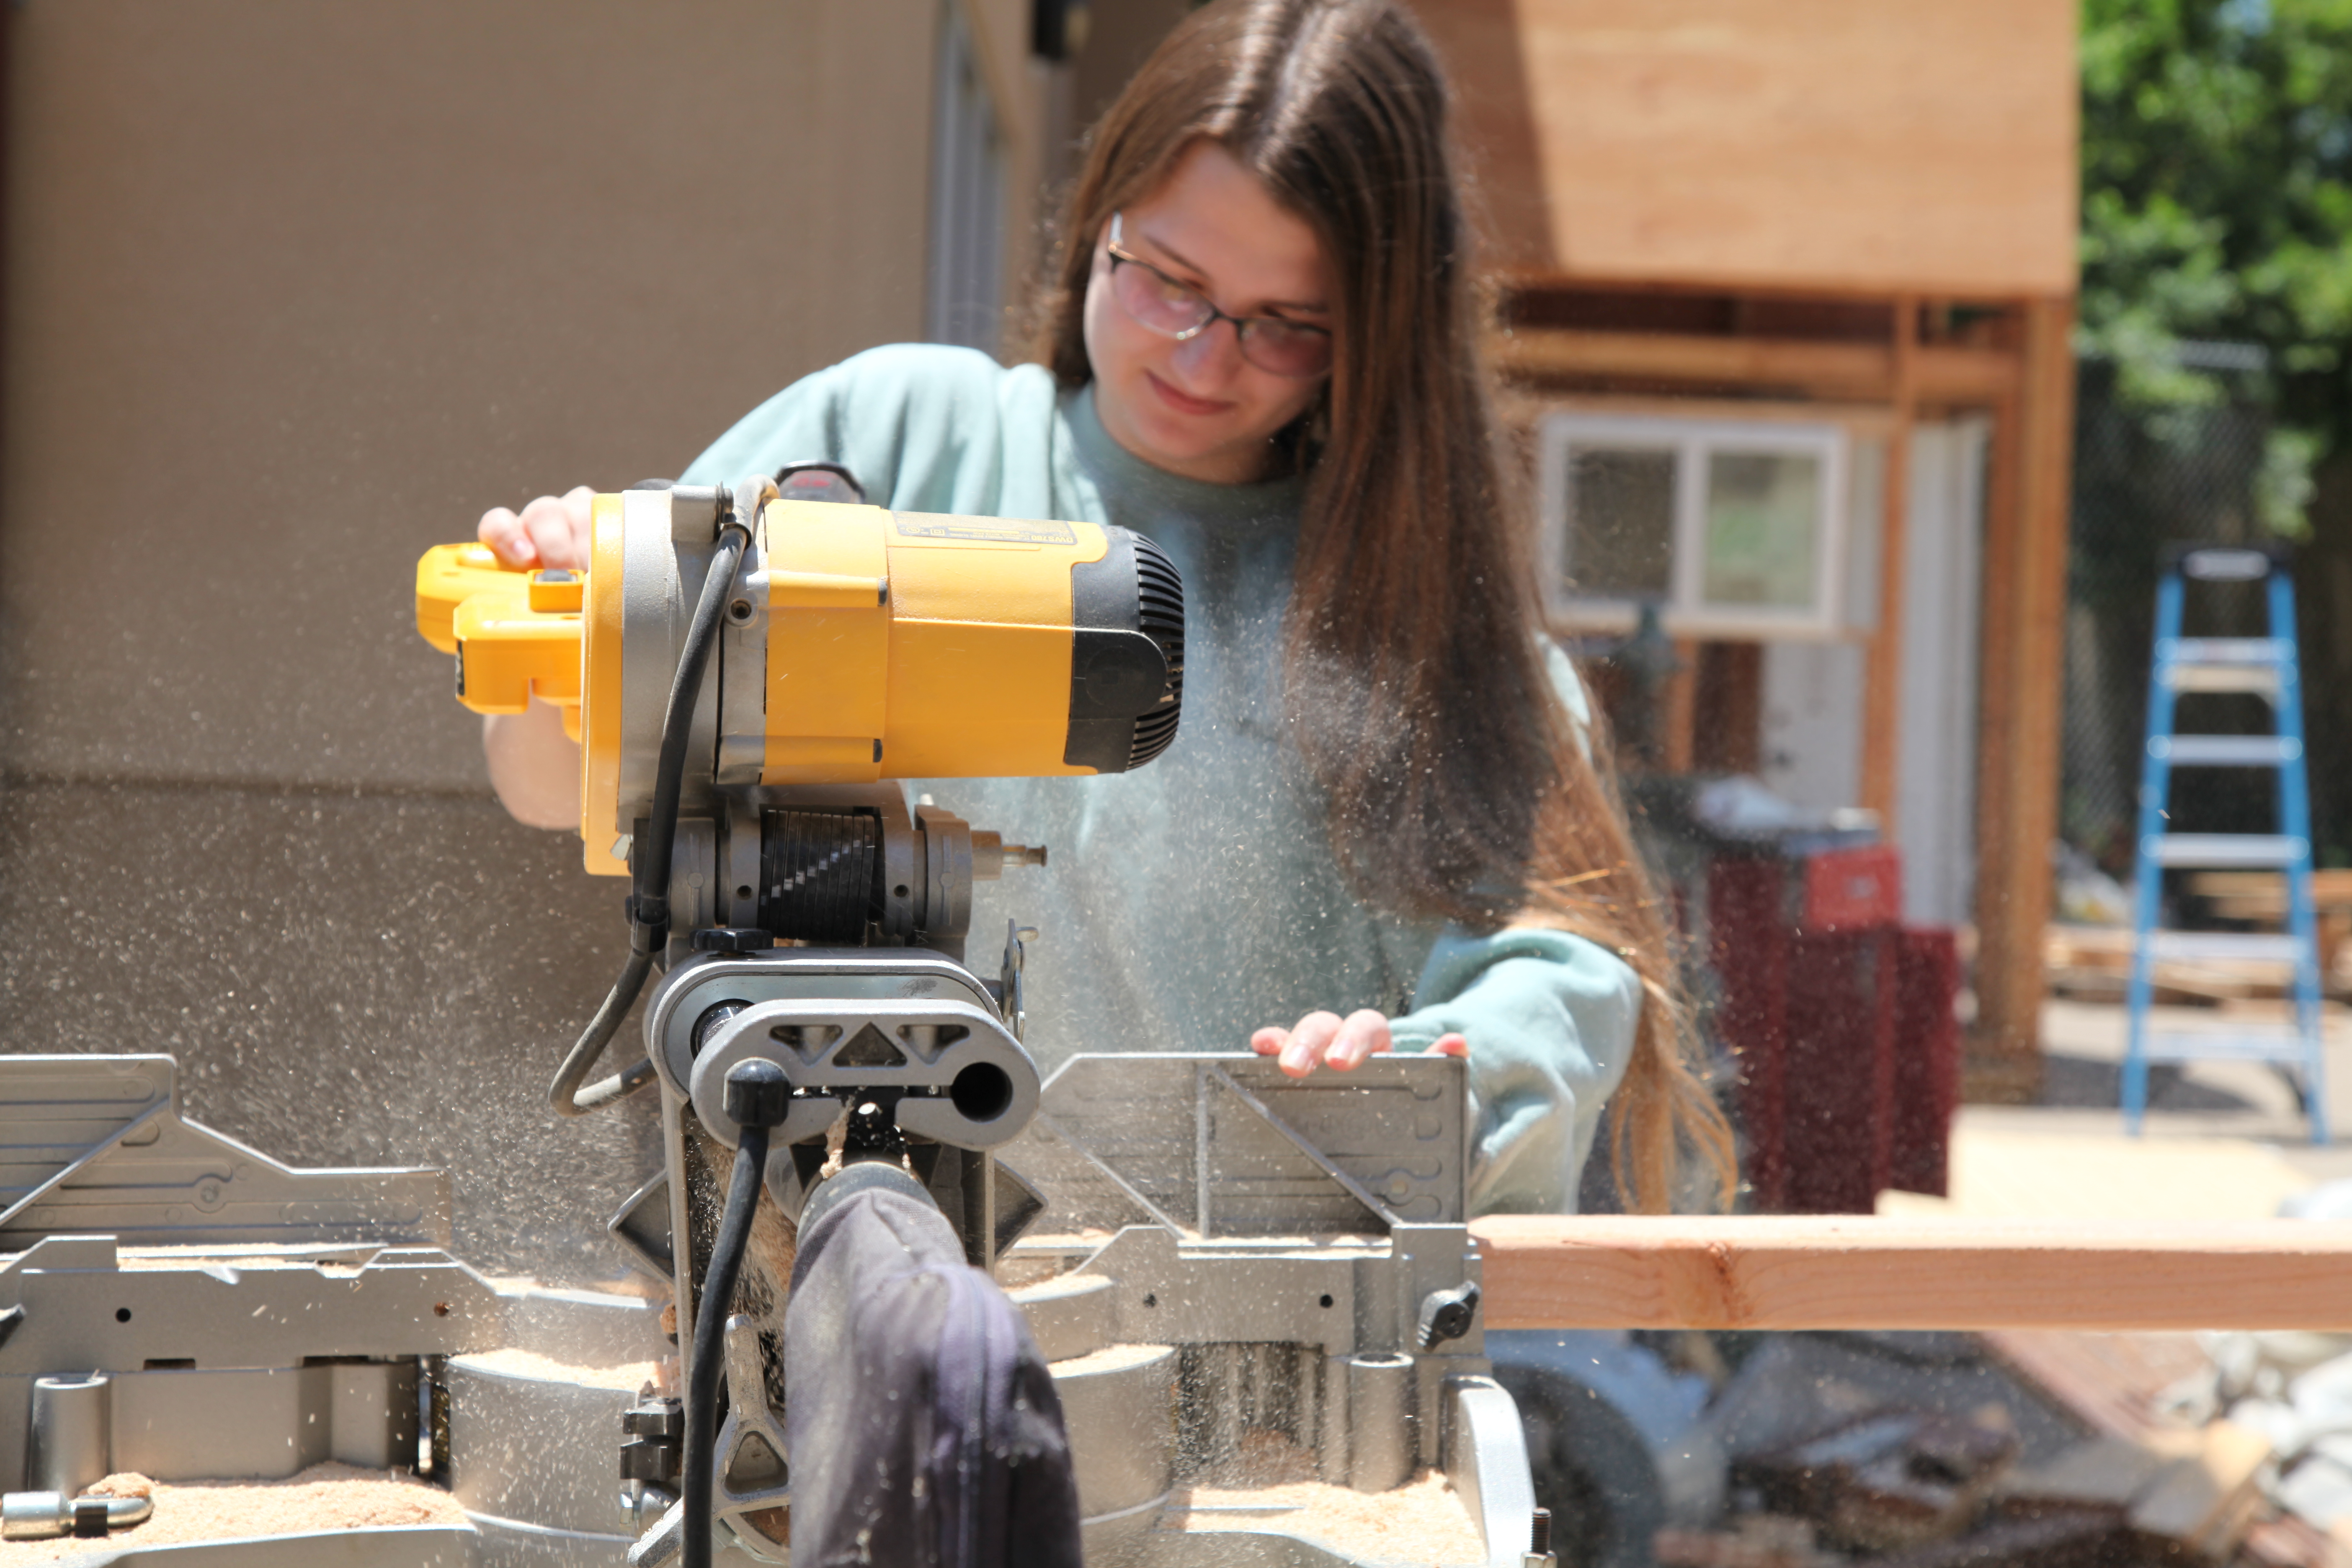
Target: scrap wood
[2111,1384]
[2106,1472]
[1895,1477]
[2201,1487]
[2288,1542]
[2079,1539]
[2096,962]
[1755,1540]
[2207,1499]
[2262,894]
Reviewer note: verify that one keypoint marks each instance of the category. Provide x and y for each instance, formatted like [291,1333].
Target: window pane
[1621,509]
[1763,517]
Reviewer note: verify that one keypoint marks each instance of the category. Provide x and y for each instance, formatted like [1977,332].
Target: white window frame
[1686,613]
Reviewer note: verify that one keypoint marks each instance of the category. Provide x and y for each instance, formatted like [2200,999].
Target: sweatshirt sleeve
[801,424]
[1550,1019]
[920,425]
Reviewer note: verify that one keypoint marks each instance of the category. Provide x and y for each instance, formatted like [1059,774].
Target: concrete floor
[2224,1141]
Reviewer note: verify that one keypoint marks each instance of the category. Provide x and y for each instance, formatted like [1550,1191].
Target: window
[1733,529]
[966,288]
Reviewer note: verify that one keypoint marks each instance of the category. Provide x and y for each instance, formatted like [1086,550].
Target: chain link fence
[2141,481]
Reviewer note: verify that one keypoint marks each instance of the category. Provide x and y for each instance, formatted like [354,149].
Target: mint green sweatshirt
[1196,899]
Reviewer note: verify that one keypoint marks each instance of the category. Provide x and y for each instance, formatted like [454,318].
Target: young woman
[1387,816]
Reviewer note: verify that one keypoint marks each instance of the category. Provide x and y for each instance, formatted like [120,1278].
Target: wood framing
[1882,684]
[1834,202]
[2020,695]
[1787,1273]
[1825,144]
[1942,374]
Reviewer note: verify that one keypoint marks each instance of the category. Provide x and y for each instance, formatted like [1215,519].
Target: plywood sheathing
[1822,144]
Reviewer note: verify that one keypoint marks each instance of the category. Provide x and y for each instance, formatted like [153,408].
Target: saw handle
[516,631]
[449,574]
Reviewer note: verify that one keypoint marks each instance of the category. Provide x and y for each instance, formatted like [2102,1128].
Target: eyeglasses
[1179,310]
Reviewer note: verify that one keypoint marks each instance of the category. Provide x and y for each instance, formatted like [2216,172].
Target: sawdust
[1109,1358]
[129,1483]
[512,1363]
[1421,1522]
[322,1498]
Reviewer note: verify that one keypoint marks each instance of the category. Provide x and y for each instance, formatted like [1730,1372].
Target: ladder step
[2226,563]
[2210,651]
[2283,1045]
[2222,664]
[2261,680]
[2227,750]
[2253,849]
[2263,946]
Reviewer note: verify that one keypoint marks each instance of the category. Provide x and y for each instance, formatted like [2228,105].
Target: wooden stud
[1727,712]
[1678,722]
[1882,717]
[1942,374]
[2022,642]
[1860,1272]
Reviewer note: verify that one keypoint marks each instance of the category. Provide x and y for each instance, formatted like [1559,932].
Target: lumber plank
[1944,375]
[1861,1272]
[1857,370]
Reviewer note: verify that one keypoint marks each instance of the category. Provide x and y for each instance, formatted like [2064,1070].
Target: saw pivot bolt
[758,1093]
[1540,1554]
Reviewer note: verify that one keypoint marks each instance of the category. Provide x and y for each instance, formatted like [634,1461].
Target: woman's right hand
[552,531]
[534,766]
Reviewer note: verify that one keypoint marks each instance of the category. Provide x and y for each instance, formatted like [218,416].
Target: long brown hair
[1417,689]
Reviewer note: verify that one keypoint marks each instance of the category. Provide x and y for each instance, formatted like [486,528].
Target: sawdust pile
[128,1484]
[1421,1522]
[325,1496]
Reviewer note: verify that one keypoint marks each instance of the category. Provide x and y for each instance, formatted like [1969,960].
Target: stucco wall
[292,292]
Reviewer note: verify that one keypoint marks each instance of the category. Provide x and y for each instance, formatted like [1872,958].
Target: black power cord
[649,869]
[758,1096]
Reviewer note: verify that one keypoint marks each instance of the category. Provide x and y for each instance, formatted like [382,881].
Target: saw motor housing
[859,645]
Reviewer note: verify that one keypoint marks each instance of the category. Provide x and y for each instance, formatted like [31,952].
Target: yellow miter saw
[1246,1301]
[750,806]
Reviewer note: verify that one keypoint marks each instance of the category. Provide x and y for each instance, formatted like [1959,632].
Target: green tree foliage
[2217,207]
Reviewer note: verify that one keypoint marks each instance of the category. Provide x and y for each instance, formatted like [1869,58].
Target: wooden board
[2094,963]
[1822,144]
[2112,1383]
[1752,1272]
[2019,691]
[1944,375]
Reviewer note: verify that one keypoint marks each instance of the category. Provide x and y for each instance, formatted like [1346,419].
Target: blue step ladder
[2267,667]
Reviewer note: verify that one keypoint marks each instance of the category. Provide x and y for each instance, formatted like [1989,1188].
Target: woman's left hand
[1342,1044]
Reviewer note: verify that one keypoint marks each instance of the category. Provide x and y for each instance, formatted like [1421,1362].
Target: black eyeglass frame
[1243,325]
